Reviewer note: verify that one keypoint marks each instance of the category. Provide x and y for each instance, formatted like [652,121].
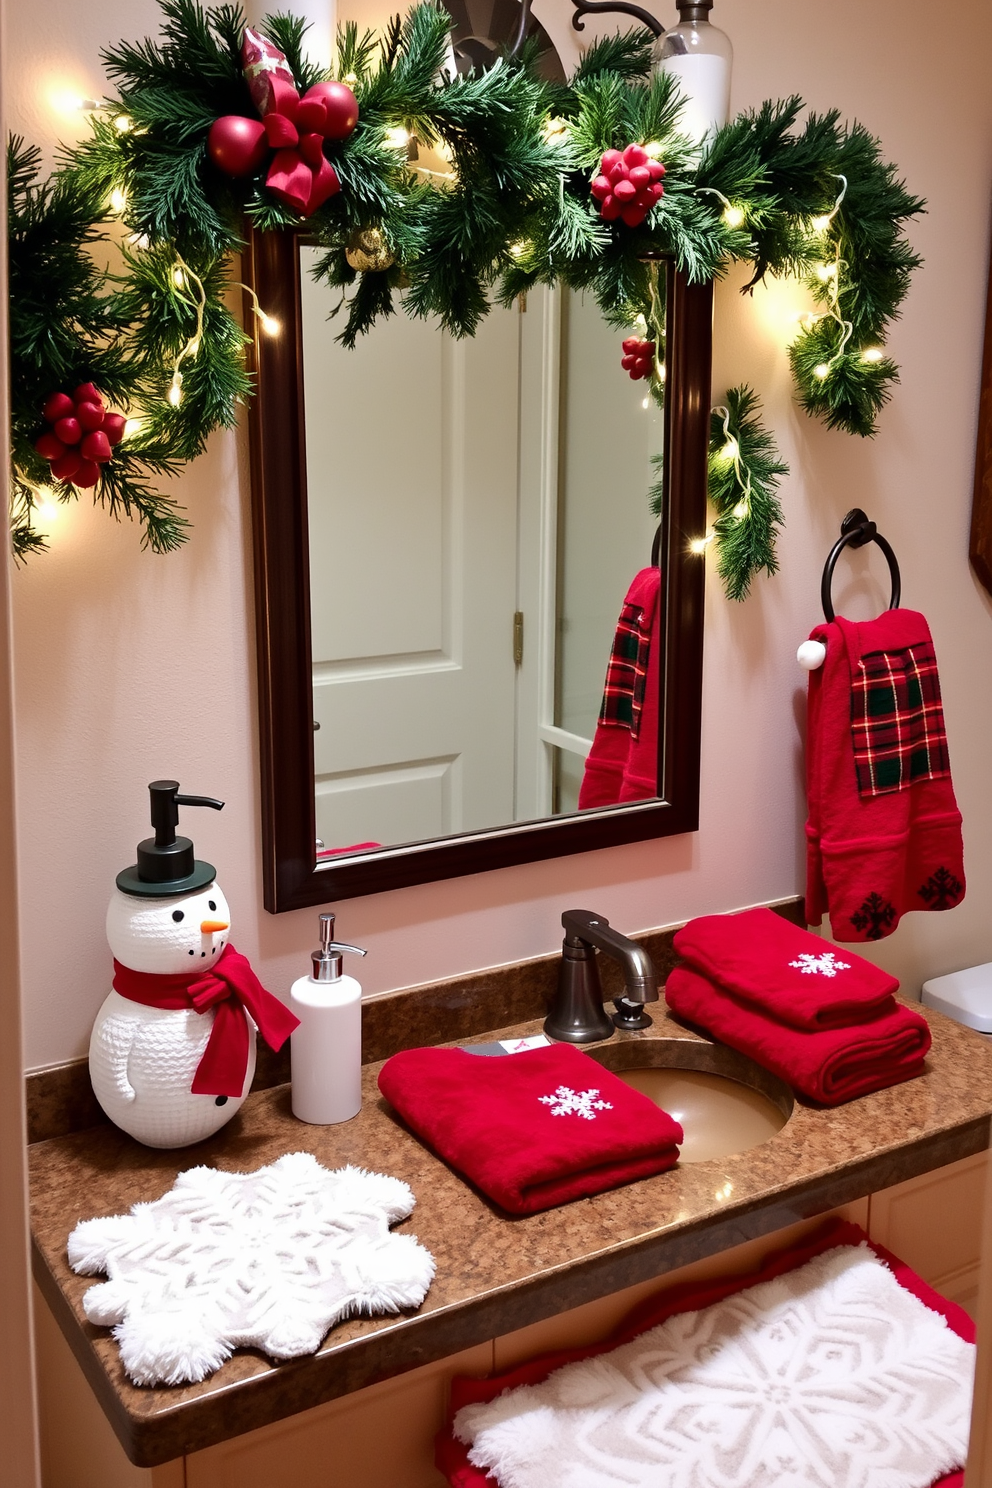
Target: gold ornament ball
[368,252]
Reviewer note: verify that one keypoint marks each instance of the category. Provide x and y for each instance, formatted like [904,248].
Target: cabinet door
[382,1437]
[934,1224]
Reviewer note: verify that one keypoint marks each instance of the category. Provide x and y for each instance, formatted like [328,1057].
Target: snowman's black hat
[166,864]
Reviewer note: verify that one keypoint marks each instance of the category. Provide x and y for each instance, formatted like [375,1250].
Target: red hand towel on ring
[784,971]
[832,1066]
[884,830]
[534,1129]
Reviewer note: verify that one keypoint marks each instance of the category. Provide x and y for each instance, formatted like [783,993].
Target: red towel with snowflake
[532,1130]
[623,762]
[884,831]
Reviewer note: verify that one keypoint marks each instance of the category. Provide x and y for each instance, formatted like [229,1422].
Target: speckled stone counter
[494,1273]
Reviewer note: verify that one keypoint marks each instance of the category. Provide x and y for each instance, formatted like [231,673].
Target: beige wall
[130,666]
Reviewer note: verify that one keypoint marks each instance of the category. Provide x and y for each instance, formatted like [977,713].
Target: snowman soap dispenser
[326,1048]
[172,1053]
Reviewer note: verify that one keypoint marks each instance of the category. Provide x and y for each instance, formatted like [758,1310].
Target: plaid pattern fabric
[897,721]
[627,673]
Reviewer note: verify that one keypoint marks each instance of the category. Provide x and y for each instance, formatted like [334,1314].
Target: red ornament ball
[628,185]
[236,145]
[59,405]
[340,108]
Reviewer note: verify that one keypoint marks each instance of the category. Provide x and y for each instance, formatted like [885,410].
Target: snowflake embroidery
[568,1102]
[824,965]
[269,1260]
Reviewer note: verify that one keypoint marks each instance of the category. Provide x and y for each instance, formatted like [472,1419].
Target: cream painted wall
[130,666]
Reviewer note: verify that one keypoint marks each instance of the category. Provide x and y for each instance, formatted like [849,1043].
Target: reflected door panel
[412,497]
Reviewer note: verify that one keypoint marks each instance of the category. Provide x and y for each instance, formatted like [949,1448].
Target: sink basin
[724,1101]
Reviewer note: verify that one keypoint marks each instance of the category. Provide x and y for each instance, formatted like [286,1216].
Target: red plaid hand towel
[884,831]
[784,971]
[532,1130]
[623,762]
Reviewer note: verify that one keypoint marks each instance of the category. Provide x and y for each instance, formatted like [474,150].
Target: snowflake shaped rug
[269,1260]
[828,1374]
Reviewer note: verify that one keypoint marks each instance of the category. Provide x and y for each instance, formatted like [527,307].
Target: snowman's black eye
[211,905]
[178,915]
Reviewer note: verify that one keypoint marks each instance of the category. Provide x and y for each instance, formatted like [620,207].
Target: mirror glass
[477,512]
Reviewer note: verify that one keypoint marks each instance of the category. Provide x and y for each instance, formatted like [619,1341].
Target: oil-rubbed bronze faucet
[577,1014]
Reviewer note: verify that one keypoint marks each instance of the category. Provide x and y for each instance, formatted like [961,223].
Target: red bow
[234,990]
[300,175]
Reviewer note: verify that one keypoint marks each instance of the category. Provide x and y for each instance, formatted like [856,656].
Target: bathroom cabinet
[382,1436]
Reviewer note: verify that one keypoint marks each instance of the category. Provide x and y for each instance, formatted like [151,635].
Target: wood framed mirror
[294,876]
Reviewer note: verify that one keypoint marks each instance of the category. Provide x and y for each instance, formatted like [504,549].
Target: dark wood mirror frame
[282,618]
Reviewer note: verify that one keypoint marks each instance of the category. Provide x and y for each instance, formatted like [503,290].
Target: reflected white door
[412,486]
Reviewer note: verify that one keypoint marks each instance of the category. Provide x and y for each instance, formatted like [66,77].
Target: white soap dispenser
[326,1049]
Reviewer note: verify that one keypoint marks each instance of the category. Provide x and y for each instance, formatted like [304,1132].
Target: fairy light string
[182,275]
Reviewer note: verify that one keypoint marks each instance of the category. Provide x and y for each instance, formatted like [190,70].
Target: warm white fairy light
[118,201]
[134,425]
[398,138]
[731,452]
[821,223]
[654,149]
[733,215]
[66,102]
[700,544]
[123,124]
[822,370]
[268,323]
[825,272]
[872,354]
[350,78]
[645,402]
[182,278]
[46,505]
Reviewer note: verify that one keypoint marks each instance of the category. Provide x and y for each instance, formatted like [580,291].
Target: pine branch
[744,473]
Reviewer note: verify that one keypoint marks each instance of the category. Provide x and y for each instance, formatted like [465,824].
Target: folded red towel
[532,1130]
[830,1066]
[884,830]
[783,970]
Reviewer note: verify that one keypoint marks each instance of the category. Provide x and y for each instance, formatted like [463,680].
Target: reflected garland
[452,193]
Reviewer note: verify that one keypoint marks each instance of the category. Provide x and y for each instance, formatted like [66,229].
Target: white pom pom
[811,654]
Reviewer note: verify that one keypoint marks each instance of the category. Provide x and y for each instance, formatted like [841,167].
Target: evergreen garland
[504,205]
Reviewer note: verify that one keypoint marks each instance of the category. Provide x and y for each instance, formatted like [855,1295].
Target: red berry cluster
[81,436]
[628,185]
[638,357]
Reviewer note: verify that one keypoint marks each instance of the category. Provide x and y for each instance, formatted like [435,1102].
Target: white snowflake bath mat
[269,1260]
[829,1376]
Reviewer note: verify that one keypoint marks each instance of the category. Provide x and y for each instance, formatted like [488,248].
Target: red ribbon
[300,175]
[233,989]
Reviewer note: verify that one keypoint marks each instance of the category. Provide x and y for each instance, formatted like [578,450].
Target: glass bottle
[700,56]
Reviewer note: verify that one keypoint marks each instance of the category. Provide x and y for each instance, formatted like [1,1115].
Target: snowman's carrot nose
[208,925]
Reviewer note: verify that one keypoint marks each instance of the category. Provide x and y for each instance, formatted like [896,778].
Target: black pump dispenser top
[166,864]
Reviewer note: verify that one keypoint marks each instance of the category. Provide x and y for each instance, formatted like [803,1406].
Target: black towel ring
[855,531]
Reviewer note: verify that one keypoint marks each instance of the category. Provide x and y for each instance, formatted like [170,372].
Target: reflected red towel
[532,1130]
[831,1066]
[884,830]
[784,971]
[623,762]
[451,1455]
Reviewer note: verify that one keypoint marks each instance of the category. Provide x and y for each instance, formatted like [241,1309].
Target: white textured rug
[830,1376]
[270,1259]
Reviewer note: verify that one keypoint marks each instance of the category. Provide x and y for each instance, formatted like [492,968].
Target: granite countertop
[494,1273]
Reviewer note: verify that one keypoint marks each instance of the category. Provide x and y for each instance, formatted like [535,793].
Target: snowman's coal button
[221,1100]
[178,915]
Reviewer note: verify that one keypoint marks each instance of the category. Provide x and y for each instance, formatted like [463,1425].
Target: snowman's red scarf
[233,990]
